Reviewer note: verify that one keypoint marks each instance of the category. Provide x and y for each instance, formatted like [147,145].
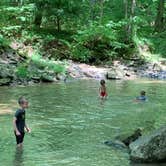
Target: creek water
[70,123]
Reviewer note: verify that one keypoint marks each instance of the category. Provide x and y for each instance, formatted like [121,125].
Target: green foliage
[55,11]
[47,64]
[22,71]
[4,43]
[17,15]
[98,43]
[11,31]
[84,30]
[159,44]
[80,53]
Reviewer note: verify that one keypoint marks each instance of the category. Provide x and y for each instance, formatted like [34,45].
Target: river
[70,124]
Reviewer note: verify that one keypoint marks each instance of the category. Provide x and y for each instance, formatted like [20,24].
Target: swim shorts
[19,138]
[103,94]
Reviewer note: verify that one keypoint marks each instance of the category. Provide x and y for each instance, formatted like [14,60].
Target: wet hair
[22,100]
[143,92]
[102,82]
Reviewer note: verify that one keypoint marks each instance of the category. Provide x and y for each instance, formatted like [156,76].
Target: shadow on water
[18,157]
[148,164]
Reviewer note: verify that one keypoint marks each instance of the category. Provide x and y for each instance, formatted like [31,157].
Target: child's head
[23,102]
[102,82]
[142,93]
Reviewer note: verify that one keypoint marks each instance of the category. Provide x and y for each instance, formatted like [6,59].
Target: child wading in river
[19,121]
[142,96]
[102,90]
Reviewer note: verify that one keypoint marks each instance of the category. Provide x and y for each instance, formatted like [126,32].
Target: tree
[101,10]
[56,10]
[160,20]
[129,13]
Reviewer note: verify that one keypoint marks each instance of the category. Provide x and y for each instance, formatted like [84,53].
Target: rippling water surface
[70,124]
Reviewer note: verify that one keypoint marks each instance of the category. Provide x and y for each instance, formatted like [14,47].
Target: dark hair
[102,82]
[143,92]
[22,100]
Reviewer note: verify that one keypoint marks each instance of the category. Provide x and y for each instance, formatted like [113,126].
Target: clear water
[70,124]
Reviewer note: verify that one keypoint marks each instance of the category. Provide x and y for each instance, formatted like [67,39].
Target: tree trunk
[38,19]
[125,2]
[126,8]
[101,10]
[132,28]
[58,24]
[159,23]
[129,13]
[92,10]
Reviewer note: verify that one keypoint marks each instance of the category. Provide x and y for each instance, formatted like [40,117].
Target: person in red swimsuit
[102,90]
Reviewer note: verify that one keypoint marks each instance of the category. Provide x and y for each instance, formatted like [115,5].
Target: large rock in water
[115,74]
[150,148]
[123,141]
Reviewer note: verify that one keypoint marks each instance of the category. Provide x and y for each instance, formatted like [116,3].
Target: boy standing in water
[102,90]
[19,121]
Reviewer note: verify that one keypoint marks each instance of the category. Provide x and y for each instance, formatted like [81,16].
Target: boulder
[123,141]
[150,148]
[115,74]
[5,81]
[47,78]
[128,138]
[6,71]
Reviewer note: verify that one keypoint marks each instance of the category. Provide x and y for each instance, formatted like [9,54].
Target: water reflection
[18,158]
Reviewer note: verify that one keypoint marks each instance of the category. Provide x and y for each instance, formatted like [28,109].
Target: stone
[132,137]
[6,70]
[115,74]
[123,141]
[128,138]
[150,148]
[47,78]
[115,143]
[5,81]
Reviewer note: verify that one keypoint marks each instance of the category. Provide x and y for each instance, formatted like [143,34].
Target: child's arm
[99,89]
[106,92]
[27,128]
[15,127]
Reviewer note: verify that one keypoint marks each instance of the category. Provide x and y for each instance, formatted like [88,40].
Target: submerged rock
[150,148]
[129,138]
[116,144]
[123,141]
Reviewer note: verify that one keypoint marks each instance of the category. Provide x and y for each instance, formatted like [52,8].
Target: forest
[88,31]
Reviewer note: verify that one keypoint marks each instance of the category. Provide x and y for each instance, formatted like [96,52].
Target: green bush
[22,71]
[51,65]
[4,43]
[98,43]
[159,44]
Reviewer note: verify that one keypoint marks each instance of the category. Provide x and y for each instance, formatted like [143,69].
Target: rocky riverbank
[16,69]
[117,70]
